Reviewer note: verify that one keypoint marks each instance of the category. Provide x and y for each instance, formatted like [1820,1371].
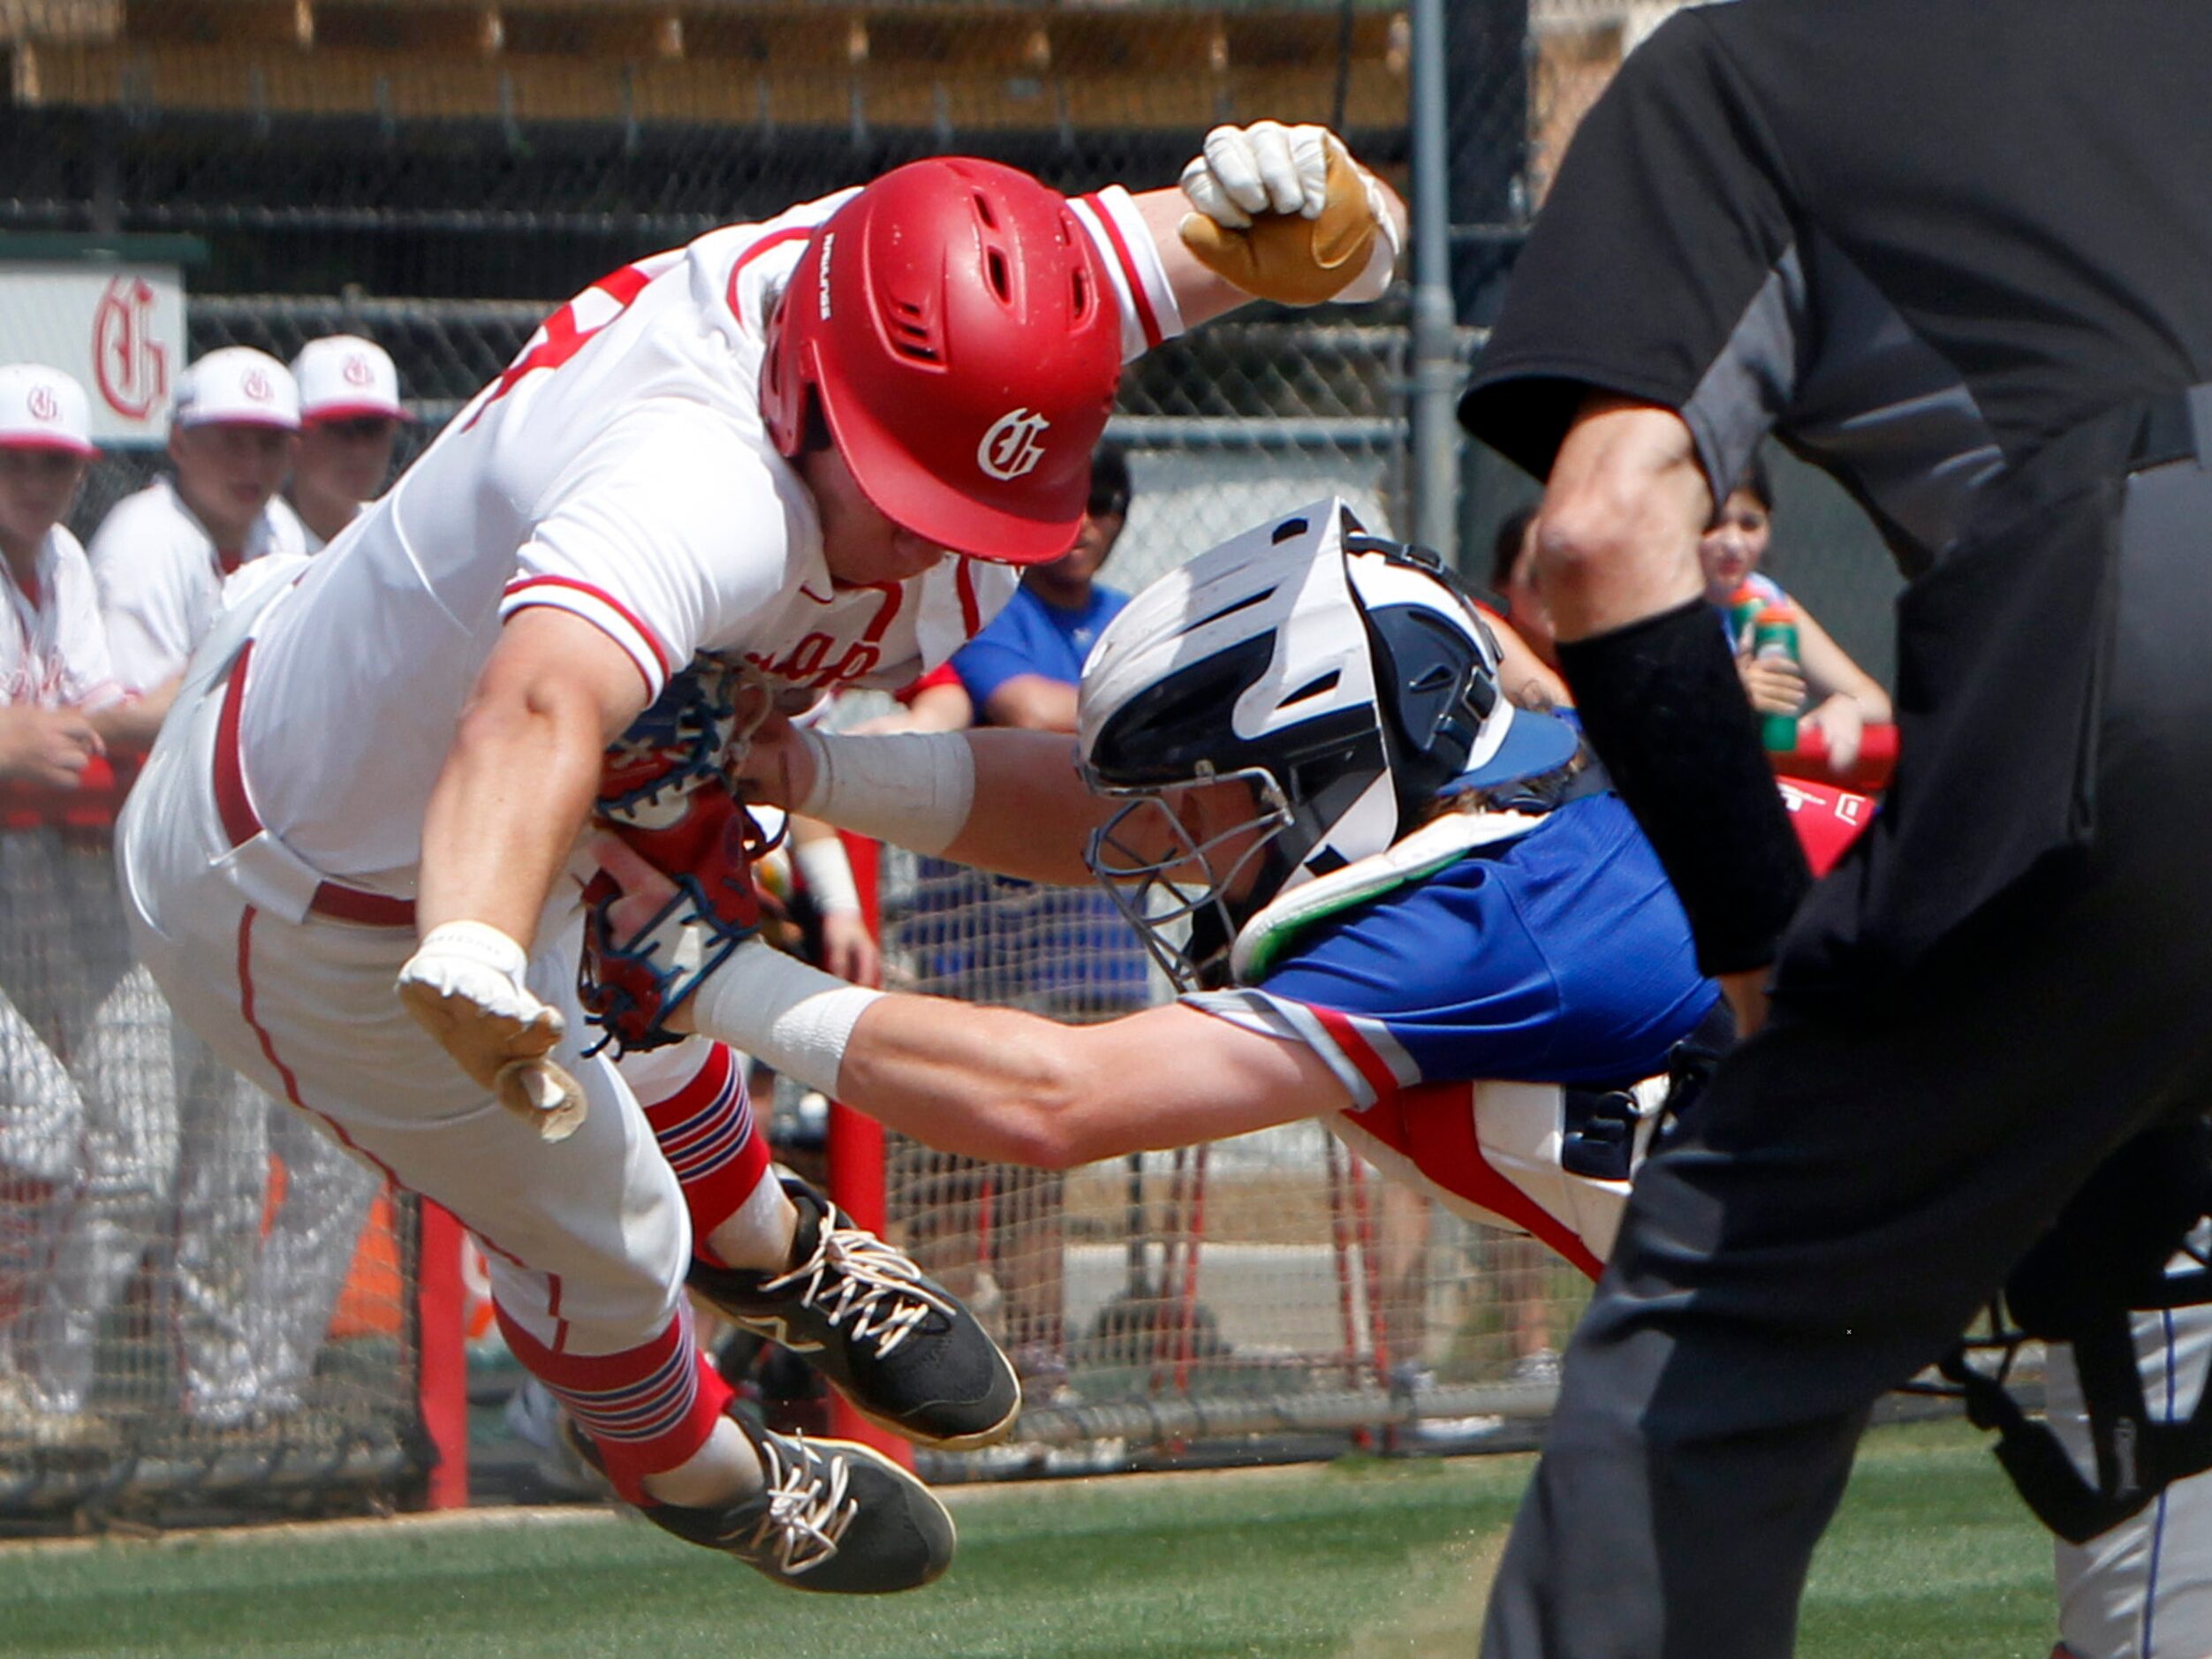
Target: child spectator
[1062,952]
[1845,699]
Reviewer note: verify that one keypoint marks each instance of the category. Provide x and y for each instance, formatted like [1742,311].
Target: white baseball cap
[342,376]
[236,386]
[42,408]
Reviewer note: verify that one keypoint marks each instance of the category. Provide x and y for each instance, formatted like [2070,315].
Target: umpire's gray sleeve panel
[1886,412]
[1752,380]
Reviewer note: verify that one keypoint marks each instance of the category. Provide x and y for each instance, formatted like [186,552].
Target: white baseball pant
[587,1237]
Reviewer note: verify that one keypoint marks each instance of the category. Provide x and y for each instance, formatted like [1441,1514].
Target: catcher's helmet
[955,327]
[1346,678]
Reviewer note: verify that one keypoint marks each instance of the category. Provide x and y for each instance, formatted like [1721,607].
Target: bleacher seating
[431,148]
[777,62]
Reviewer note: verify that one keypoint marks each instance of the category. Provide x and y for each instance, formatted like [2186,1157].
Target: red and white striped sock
[647,1409]
[706,1131]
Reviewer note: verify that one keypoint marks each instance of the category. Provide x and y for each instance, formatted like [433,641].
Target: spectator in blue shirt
[1022,669]
[1062,952]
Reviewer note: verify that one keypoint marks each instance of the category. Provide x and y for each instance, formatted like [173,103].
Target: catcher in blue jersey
[1383,888]
[1378,881]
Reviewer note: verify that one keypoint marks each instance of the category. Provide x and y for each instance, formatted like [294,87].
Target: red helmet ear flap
[961,336]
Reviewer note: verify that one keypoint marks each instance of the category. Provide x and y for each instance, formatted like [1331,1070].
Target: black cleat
[901,1348]
[831,1517]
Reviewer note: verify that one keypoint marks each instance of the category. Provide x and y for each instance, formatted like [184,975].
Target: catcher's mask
[1347,678]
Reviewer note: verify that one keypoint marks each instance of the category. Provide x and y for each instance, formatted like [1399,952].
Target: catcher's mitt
[666,792]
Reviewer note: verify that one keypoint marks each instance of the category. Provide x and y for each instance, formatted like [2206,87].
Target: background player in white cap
[160,555]
[63,952]
[175,1155]
[350,416]
[764,446]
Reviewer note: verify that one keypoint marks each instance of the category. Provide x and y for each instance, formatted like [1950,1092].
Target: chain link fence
[493,150]
[192,1317]
[439,175]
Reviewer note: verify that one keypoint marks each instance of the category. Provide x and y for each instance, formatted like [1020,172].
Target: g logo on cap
[356,370]
[256,386]
[1010,448]
[44,406]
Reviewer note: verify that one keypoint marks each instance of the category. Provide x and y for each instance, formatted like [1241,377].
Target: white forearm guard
[828,874]
[778,1008]
[912,789]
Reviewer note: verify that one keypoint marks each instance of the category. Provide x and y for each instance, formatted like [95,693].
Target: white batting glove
[464,986]
[1268,167]
[1263,168]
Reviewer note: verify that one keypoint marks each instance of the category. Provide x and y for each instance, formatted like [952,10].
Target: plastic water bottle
[1773,638]
[1744,606]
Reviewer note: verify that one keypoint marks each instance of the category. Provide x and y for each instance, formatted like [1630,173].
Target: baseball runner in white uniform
[761,447]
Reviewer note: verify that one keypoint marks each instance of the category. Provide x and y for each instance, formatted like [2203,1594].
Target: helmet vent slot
[911,335]
[1079,296]
[983,210]
[1245,604]
[1287,530]
[999,276]
[1313,688]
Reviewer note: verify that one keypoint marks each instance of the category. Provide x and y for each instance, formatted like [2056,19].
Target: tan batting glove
[463,985]
[1286,214]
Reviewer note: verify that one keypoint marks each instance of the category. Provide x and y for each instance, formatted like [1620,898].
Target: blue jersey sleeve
[1562,957]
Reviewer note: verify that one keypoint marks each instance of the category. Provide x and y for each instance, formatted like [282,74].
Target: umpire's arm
[1657,687]
[1616,540]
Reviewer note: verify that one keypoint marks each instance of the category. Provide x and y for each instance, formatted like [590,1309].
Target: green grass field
[1932,1555]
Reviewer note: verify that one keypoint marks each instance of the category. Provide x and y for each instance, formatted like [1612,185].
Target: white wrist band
[913,789]
[828,873]
[479,941]
[797,1018]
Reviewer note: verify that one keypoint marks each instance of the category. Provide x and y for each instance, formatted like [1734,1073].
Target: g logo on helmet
[1010,449]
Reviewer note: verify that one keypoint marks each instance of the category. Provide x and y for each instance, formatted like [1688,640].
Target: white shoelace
[808,1511]
[878,1288]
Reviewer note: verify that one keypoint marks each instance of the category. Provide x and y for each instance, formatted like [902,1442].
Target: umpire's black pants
[1854,1184]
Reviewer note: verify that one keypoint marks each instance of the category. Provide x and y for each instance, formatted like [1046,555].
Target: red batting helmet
[956,328]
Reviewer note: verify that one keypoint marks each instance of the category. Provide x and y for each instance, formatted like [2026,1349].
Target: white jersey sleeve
[1149,313]
[668,536]
[89,679]
[153,571]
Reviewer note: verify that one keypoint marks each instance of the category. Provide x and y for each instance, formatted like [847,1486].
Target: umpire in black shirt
[1960,255]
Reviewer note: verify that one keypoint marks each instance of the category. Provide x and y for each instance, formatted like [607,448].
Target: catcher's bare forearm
[998,1084]
[1032,815]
